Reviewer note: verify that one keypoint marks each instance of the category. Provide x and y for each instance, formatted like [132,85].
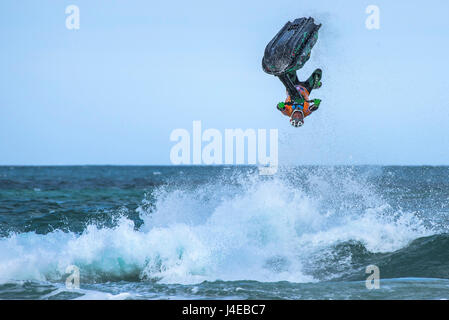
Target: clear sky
[113,91]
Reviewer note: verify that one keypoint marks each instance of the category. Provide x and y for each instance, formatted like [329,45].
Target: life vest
[305,108]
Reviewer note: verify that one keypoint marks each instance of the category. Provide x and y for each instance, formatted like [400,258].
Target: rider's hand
[316,102]
[281,106]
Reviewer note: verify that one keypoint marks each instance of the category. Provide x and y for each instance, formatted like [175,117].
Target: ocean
[167,232]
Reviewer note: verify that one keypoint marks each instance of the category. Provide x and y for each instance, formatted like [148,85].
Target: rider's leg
[314,81]
[293,77]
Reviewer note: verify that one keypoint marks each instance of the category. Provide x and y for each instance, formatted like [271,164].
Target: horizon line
[221,165]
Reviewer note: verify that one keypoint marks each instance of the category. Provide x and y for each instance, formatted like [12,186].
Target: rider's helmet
[297,118]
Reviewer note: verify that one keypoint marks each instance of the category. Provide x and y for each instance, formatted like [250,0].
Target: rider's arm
[315,105]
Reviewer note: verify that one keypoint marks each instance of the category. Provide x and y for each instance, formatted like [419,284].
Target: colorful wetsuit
[289,107]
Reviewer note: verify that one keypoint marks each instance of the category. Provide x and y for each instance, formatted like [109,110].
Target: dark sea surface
[143,232]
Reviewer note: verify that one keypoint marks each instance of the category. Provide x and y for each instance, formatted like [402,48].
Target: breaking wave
[294,227]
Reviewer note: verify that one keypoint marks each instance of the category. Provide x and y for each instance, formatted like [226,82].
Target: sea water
[143,232]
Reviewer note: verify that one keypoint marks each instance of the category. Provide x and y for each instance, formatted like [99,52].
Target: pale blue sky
[112,92]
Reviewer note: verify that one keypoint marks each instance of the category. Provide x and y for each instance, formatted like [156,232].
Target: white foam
[265,230]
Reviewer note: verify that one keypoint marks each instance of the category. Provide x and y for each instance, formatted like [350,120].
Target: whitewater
[200,232]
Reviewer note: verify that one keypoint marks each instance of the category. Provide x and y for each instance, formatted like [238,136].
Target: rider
[298,110]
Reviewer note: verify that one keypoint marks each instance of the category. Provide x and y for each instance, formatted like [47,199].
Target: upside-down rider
[302,107]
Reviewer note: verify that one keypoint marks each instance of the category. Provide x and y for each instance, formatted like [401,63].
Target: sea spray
[245,227]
